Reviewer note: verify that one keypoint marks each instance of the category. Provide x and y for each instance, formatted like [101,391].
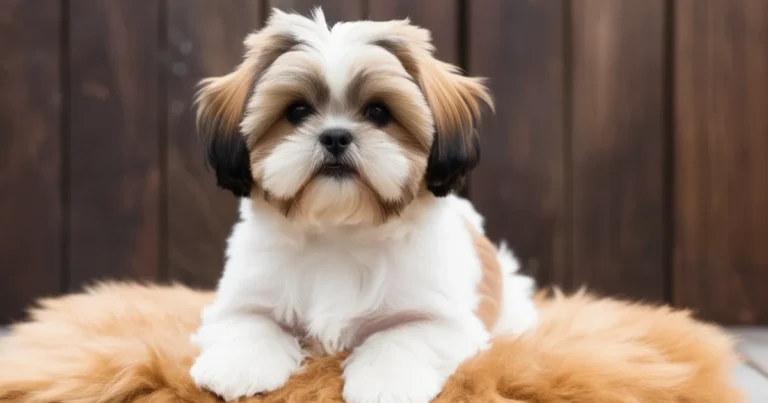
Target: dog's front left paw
[388,380]
[232,372]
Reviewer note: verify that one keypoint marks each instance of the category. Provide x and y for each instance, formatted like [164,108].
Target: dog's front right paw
[384,382]
[235,371]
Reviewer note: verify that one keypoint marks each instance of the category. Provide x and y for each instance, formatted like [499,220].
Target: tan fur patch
[266,143]
[399,92]
[130,344]
[295,77]
[455,99]
[221,100]
[491,287]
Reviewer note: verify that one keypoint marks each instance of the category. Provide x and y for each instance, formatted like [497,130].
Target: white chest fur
[338,286]
[402,297]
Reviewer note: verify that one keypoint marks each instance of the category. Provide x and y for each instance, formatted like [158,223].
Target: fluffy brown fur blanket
[130,343]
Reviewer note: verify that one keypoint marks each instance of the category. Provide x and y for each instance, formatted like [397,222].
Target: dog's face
[340,126]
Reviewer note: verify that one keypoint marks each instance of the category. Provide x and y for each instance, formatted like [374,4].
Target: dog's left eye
[378,114]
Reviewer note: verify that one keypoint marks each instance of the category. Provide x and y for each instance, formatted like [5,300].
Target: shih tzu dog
[345,144]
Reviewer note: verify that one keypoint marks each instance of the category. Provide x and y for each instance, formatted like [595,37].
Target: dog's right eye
[297,112]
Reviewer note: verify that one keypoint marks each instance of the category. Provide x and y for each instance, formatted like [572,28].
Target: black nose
[335,140]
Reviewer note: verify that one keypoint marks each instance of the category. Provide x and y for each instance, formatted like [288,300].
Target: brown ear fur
[221,103]
[456,102]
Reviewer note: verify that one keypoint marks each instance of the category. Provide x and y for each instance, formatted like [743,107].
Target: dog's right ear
[220,105]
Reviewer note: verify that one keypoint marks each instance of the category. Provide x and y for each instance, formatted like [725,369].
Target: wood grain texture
[30,151]
[205,38]
[441,17]
[721,149]
[115,173]
[519,184]
[618,139]
[334,10]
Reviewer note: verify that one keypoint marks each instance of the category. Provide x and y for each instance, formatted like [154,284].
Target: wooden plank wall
[114,164]
[628,153]
[721,159]
[203,38]
[32,221]
[520,184]
[617,170]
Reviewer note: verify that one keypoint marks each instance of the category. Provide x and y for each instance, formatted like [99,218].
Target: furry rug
[130,343]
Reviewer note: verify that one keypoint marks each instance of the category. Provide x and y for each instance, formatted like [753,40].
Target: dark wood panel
[721,148]
[30,151]
[519,184]
[115,173]
[334,10]
[618,117]
[441,17]
[205,38]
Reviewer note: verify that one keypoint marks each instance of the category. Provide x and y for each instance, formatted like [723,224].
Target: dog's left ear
[456,102]
[454,99]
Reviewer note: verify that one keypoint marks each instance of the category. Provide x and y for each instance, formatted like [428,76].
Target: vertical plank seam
[712,164]
[365,9]
[462,56]
[668,151]
[462,34]
[162,61]
[567,151]
[265,12]
[64,145]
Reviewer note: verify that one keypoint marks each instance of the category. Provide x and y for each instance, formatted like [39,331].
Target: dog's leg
[410,363]
[243,354]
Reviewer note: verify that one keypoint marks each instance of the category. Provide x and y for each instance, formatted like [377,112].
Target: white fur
[384,162]
[243,354]
[519,313]
[333,284]
[290,164]
[467,210]
[334,202]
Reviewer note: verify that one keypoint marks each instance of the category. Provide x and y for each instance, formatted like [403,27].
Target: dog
[346,146]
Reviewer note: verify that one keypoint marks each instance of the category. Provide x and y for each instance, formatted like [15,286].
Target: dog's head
[342,125]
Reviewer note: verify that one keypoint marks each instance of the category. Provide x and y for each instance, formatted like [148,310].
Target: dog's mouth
[337,170]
